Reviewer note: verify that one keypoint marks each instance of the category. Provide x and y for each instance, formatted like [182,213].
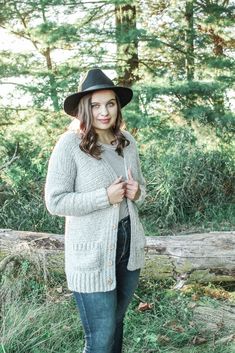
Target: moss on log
[198,257]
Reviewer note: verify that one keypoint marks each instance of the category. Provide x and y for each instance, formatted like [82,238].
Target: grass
[32,327]
[169,326]
[44,319]
[215,218]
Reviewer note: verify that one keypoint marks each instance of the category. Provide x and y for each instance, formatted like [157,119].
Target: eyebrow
[112,99]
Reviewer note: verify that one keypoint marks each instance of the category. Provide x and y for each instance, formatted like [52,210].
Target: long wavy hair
[89,138]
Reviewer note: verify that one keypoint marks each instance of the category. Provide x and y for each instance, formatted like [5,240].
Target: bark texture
[199,257]
[189,258]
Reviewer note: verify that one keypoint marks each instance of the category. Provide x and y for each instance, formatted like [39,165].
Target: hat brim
[124,94]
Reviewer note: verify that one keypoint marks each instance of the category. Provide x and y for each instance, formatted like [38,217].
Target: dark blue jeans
[102,313]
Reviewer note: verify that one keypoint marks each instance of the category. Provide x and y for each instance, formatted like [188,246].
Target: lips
[104,121]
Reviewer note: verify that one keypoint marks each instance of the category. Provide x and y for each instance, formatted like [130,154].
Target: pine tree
[188,62]
[53,31]
[175,54]
[127,44]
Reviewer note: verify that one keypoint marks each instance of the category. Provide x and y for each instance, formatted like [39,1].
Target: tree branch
[14,157]
[93,16]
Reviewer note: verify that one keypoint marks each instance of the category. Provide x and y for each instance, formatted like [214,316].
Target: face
[104,109]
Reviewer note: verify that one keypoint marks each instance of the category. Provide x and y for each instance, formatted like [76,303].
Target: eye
[111,104]
[95,106]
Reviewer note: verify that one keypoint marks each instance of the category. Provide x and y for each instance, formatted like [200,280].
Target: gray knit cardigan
[75,187]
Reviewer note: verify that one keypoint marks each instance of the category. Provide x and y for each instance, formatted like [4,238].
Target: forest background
[178,57]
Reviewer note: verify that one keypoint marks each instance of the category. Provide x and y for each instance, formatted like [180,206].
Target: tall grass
[43,319]
[187,184]
[33,327]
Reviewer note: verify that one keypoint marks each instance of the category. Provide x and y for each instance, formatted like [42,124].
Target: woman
[94,180]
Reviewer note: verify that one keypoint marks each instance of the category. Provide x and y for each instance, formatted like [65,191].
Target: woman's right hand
[116,191]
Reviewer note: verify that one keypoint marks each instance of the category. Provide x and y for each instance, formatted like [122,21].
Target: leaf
[217,293]
[225,340]
[66,328]
[177,328]
[163,339]
[145,306]
[195,297]
[198,340]
[59,290]
[151,337]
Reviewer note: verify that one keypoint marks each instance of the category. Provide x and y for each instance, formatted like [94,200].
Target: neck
[105,136]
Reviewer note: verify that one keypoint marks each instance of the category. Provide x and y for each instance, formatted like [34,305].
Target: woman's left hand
[132,188]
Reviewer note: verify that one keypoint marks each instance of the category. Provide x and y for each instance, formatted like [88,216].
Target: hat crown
[93,78]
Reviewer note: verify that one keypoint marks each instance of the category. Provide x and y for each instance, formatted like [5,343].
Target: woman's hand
[132,188]
[116,191]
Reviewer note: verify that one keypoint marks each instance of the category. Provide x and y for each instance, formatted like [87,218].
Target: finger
[130,189]
[130,183]
[118,180]
[132,186]
[124,185]
[130,177]
[129,195]
[121,186]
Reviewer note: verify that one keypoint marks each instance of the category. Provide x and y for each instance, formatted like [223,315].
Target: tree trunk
[203,258]
[127,44]
[52,80]
[218,99]
[214,319]
[206,257]
[189,60]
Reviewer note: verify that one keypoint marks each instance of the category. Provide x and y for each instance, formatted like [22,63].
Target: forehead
[102,96]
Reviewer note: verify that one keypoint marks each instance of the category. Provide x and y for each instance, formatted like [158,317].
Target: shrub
[185,180]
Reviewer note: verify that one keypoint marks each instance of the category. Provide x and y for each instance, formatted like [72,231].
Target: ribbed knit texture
[117,163]
[75,187]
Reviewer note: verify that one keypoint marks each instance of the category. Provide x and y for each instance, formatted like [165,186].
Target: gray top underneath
[117,163]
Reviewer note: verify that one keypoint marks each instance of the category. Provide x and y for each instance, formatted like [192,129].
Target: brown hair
[89,137]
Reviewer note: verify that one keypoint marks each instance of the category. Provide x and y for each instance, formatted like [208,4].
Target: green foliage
[12,66]
[53,35]
[163,34]
[47,321]
[25,179]
[189,170]
[195,101]
[41,328]
[184,181]
[170,310]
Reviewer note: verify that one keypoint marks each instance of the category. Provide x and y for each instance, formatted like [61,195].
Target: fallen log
[198,257]
[188,258]
[215,319]
[215,323]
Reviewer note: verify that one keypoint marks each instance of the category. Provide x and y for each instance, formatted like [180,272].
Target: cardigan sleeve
[142,182]
[141,179]
[60,197]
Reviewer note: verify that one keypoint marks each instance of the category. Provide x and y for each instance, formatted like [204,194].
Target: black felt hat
[95,80]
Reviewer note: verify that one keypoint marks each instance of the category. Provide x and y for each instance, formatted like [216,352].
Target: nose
[103,110]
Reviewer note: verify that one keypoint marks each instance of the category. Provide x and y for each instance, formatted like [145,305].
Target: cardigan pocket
[88,256]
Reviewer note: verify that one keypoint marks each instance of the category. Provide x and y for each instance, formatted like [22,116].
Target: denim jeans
[102,313]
